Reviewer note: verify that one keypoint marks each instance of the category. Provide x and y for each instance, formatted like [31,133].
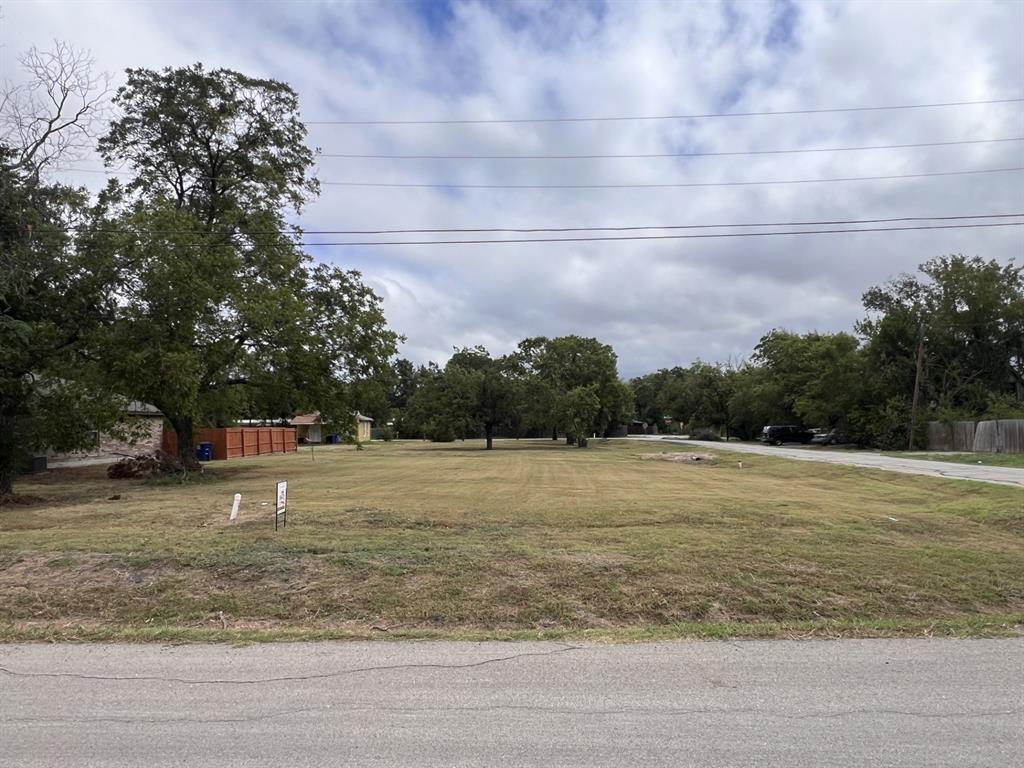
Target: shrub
[705,433]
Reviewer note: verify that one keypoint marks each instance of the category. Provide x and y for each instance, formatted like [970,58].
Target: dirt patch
[681,457]
[45,571]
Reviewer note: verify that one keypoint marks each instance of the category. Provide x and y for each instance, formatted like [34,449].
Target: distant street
[980,472]
[955,703]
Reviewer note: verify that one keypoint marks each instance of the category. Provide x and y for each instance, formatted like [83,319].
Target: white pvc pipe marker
[234,506]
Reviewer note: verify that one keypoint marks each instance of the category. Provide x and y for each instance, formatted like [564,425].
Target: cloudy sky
[659,303]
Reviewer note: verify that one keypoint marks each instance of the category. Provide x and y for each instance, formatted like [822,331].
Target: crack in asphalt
[283,678]
[647,711]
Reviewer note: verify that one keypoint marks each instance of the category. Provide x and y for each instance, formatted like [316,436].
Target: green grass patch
[987,459]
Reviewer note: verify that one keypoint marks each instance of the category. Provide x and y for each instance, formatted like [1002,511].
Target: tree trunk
[6,479]
[489,432]
[570,439]
[185,429]
[554,433]
[582,442]
[8,456]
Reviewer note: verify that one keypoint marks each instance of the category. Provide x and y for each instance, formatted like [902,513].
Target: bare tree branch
[53,115]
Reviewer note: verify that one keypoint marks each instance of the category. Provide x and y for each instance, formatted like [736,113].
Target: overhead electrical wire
[613,238]
[668,185]
[528,230]
[621,118]
[354,156]
[701,236]
[658,185]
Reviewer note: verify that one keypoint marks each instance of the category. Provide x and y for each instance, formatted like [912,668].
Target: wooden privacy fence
[238,442]
[995,436]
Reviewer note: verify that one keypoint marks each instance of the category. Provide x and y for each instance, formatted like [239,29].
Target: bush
[441,434]
[1003,406]
[705,433]
[887,426]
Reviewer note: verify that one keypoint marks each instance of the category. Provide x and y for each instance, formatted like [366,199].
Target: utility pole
[917,384]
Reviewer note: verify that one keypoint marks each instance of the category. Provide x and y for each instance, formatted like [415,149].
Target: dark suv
[777,435]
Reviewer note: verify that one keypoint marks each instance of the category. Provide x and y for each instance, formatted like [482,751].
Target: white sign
[282,496]
[234,506]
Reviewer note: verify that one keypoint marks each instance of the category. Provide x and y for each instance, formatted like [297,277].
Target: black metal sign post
[281,508]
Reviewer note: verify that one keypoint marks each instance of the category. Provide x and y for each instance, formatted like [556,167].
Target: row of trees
[567,384]
[947,344]
[183,285]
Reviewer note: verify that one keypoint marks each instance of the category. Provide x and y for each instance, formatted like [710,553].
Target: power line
[668,154]
[701,236]
[669,185]
[633,228]
[662,237]
[672,185]
[829,110]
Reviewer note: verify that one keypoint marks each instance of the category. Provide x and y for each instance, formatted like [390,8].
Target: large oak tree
[221,313]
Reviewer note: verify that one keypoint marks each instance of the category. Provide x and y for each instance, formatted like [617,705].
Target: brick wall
[151,428]
[148,442]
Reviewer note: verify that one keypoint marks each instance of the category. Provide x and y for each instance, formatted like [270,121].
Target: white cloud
[658,303]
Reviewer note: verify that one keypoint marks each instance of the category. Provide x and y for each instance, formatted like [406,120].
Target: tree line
[944,344]
[546,387]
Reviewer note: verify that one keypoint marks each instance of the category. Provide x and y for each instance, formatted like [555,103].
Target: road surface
[956,703]
[979,472]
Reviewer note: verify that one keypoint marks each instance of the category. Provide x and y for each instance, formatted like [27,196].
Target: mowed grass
[989,459]
[532,539]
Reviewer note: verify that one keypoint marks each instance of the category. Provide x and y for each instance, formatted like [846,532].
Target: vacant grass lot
[533,538]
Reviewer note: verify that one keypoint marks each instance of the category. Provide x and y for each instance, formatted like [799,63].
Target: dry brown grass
[530,537]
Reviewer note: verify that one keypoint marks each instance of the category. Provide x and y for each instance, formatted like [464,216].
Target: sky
[658,303]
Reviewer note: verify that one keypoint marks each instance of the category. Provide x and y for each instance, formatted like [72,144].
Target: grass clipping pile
[681,457]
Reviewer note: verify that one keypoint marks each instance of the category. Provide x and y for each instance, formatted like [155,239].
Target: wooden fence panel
[1011,432]
[940,436]
[986,437]
[963,435]
[250,442]
[234,448]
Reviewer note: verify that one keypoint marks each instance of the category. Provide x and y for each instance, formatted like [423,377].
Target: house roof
[303,419]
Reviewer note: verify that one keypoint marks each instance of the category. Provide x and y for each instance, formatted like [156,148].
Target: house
[146,428]
[311,429]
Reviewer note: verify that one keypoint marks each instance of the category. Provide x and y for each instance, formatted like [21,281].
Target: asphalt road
[979,472]
[777,703]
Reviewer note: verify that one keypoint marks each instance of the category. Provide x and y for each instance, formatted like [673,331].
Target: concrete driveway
[979,472]
[813,704]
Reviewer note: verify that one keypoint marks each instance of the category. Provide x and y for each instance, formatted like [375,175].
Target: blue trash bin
[204,451]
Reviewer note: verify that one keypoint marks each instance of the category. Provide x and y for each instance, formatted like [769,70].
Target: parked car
[829,437]
[779,434]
